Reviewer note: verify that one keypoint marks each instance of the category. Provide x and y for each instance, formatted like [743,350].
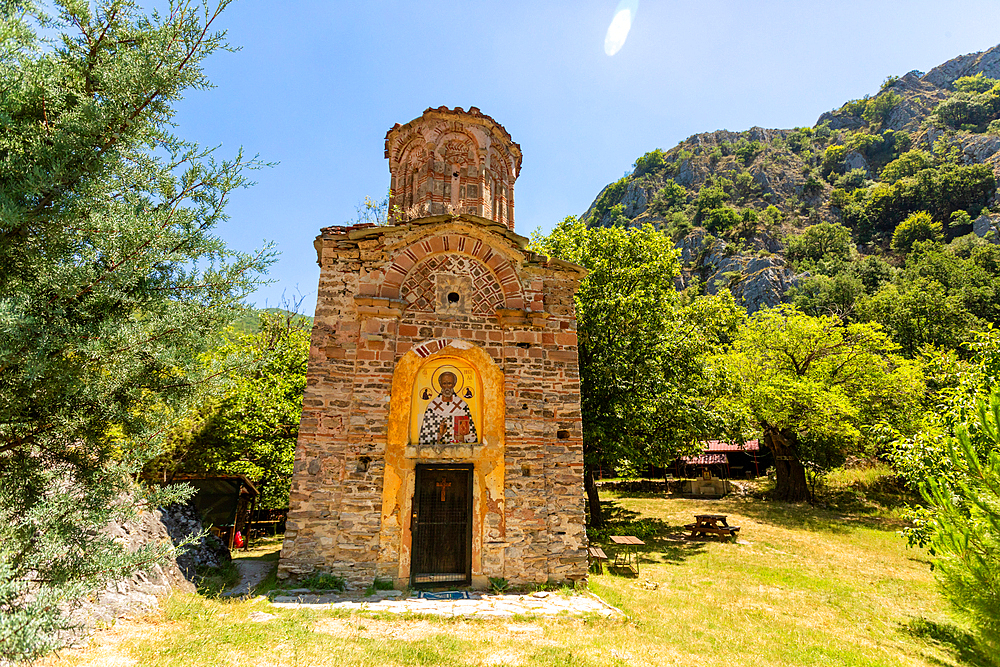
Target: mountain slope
[731,200]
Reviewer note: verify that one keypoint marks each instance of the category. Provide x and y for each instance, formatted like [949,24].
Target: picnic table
[712,524]
[628,555]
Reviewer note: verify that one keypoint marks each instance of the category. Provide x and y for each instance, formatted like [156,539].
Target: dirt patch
[109,647]
[369,628]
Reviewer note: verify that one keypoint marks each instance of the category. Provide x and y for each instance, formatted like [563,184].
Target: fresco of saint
[447,419]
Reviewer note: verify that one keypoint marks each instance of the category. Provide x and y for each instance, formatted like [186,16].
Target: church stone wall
[374,307]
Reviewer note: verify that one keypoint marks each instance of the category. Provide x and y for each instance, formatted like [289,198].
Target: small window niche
[453,294]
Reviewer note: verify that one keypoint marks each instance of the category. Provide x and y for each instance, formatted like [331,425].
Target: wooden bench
[596,555]
[712,524]
[728,531]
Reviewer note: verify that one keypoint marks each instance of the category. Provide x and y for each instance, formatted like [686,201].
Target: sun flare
[620,26]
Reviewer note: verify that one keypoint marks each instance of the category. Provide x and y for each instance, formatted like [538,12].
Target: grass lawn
[804,586]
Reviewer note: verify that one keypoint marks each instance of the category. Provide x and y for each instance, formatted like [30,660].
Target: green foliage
[651,162]
[877,210]
[498,585]
[112,282]
[746,151]
[965,110]
[820,294]
[813,386]
[966,542]
[852,180]
[878,108]
[943,295]
[855,107]
[252,428]
[909,163]
[833,159]
[324,581]
[679,226]
[873,272]
[718,220]
[671,197]
[918,226]
[822,241]
[799,139]
[611,196]
[641,345]
[379,585]
[978,83]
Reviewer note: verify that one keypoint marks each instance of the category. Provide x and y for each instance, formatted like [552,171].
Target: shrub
[964,109]
[746,151]
[833,159]
[918,226]
[909,163]
[668,198]
[324,581]
[978,83]
[652,161]
[720,219]
[877,109]
[825,240]
[852,180]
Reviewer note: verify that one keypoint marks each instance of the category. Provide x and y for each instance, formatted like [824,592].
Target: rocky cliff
[731,199]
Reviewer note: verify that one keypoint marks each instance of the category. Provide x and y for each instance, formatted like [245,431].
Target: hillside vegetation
[890,196]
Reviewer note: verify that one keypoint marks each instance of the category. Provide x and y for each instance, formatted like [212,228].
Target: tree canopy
[251,428]
[641,346]
[812,386]
[112,284]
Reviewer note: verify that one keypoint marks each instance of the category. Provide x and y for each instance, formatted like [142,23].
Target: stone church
[441,440]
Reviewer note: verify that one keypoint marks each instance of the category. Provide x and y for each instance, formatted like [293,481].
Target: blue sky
[317,85]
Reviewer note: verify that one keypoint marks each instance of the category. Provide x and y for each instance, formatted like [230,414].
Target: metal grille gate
[442,526]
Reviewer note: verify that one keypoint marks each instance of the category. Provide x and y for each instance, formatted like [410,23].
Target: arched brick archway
[411,256]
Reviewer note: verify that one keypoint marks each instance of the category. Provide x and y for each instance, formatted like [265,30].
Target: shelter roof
[713,446]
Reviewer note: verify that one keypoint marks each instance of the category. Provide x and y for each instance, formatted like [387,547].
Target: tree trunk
[790,476]
[593,500]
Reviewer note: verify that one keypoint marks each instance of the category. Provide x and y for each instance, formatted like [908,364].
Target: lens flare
[620,25]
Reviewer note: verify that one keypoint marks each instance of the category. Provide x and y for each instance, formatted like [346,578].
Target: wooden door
[442,526]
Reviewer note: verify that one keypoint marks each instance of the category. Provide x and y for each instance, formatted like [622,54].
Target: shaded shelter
[225,502]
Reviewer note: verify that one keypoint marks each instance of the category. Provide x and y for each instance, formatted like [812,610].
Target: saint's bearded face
[447,382]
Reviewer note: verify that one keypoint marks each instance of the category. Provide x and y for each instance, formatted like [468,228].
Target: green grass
[804,586]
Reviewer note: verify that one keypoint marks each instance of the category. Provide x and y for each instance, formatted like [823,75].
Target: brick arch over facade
[410,258]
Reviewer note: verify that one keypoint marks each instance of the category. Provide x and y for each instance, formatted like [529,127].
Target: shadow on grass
[810,517]
[664,542]
[962,643]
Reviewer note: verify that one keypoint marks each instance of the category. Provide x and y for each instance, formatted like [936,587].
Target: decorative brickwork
[445,296]
[419,292]
[452,161]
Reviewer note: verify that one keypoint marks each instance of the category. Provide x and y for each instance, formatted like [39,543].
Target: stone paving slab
[478,604]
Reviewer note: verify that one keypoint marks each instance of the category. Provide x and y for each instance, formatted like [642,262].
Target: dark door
[442,526]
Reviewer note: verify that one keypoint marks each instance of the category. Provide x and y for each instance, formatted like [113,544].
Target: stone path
[252,572]
[478,605]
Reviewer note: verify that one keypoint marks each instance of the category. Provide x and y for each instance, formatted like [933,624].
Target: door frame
[420,470]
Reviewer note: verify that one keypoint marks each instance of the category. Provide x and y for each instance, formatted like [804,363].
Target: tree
[252,428]
[641,348]
[111,286]
[812,385]
[825,240]
[918,226]
[966,539]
